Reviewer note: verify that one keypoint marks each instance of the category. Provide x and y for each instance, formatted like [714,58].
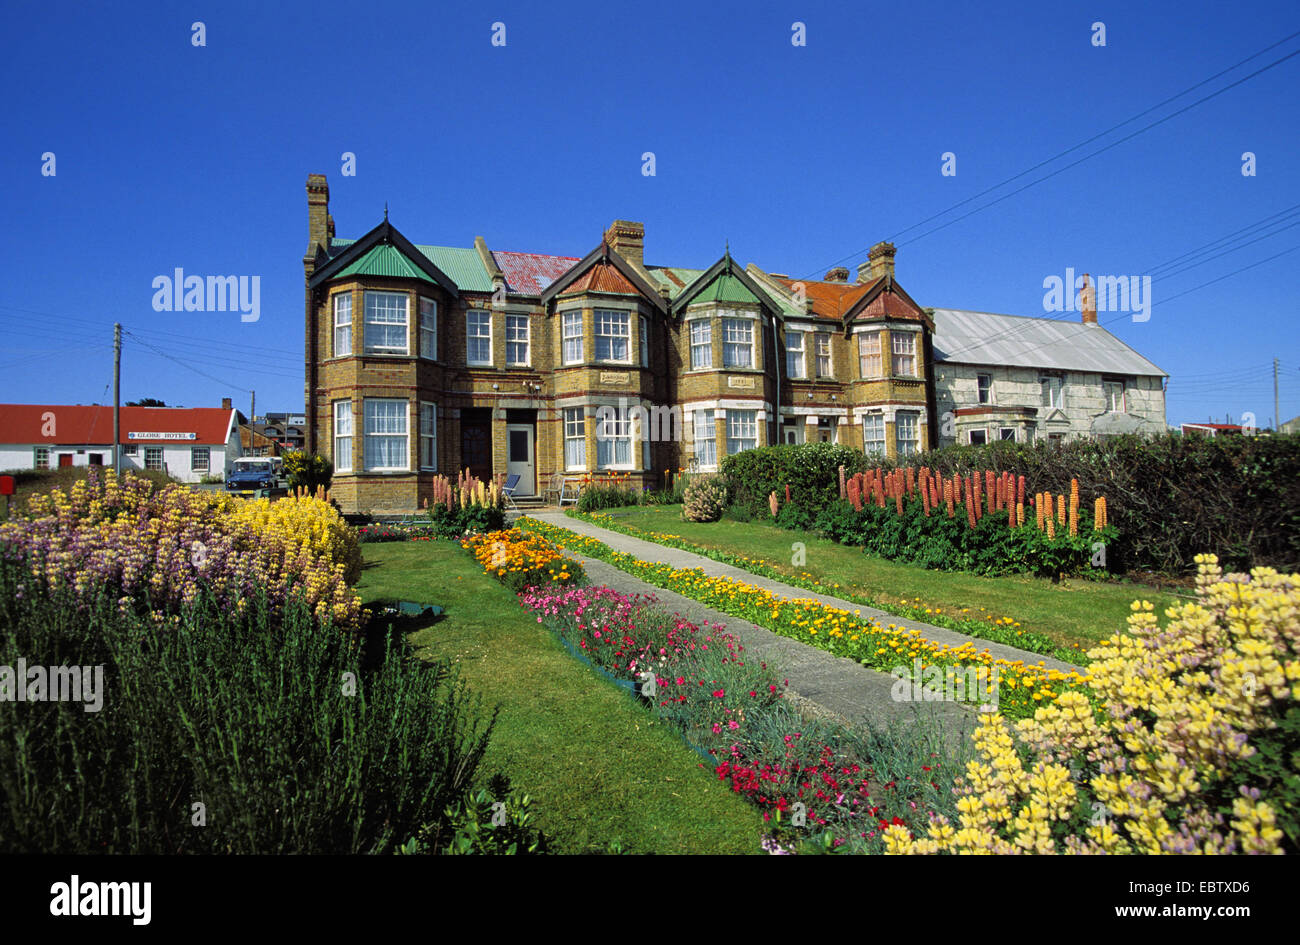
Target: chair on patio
[555,489]
[569,490]
[508,490]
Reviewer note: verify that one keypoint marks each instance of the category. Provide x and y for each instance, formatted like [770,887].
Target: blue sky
[175,156]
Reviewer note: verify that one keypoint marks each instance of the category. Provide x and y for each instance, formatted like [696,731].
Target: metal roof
[531,273]
[675,277]
[464,266]
[388,261]
[1016,341]
[726,288]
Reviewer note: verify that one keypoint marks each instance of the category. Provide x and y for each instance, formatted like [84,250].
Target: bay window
[701,344]
[737,343]
[904,344]
[428,329]
[343,436]
[742,431]
[873,434]
[613,438]
[428,435]
[706,443]
[612,333]
[869,354]
[386,323]
[342,324]
[575,439]
[386,434]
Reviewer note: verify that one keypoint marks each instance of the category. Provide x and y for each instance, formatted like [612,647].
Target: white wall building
[188,443]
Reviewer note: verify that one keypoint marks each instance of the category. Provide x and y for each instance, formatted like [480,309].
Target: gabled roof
[1016,341]
[602,277]
[383,260]
[92,425]
[725,281]
[604,257]
[675,278]
[532,273]
[385,234]
[829,299]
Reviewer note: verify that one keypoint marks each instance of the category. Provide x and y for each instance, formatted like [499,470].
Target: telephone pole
[117,398]
[1277,414]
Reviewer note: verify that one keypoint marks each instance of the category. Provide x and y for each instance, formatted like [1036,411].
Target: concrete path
[823,684]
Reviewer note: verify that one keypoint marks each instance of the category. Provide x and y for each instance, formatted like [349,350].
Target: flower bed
[521,560]
[368,534]
[1022,688]
[1195,753]
[987,626]
[159,549]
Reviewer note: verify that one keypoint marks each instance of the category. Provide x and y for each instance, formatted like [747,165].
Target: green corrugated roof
[384,260]
[686,276]
[464,266]
[725,288]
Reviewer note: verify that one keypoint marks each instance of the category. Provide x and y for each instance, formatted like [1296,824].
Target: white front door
[519,457]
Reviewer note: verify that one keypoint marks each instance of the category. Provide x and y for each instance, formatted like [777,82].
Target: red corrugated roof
[93,425]
[830,299]
[602,277]
[531,273]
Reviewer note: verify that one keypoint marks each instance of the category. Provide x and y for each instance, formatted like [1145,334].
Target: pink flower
[719,693]
[733,724]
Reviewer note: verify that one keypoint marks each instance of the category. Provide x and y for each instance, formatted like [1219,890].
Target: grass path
[1074,612]
[596,765]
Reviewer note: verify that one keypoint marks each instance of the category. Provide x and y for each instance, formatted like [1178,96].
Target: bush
[249,712]
[466,520]
[810,470]
[1170,497]
[607,495]
[482,825]
[704,499]
[1193,749]
[308,470]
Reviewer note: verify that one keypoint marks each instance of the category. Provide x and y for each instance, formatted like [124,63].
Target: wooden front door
[476,448]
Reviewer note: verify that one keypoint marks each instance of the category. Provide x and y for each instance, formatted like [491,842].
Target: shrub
[704,499]
[1170,497]
[810,470]
[1192,750]
[466,506]
[607,495]
[246,711]
[482,825]
[308,470]
[157,550]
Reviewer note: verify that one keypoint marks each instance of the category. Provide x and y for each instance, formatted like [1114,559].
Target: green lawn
[1074,612]
[596,765]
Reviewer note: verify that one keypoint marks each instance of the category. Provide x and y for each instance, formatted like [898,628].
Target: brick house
[423,360]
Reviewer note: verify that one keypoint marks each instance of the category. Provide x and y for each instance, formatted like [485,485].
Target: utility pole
[252,408]
[1277,414]
[117,398]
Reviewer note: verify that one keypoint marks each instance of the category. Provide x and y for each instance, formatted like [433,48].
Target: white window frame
[705,433]
[1002,434]
[387,323]
[206,453]
[343,424]
[575,439]
[128,449]
[1107,386]
[902,345]
[41,457]
[476,319]
[984,393]
[866,356]
[1053,391]
[914,442]
[372,436]
[737,338]
[428,435]
[873,432]
[342,329]
[740,423]
[643,340]
[512,327]
[796,367]
[571,337]
[983,433]
[429,328]
[613,326]
[614,436]
[822,350]
[701,343]
[158,461]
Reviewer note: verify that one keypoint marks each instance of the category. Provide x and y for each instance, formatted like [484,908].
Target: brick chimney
[880,262]
[318,212]
[225,403]
[1088,301]
[627,238]
[838,274]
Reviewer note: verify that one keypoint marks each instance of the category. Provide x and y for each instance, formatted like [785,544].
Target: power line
[1086,142]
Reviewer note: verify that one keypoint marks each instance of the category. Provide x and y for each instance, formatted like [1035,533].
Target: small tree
[307,470]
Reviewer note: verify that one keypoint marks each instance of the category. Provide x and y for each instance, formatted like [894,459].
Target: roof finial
[385,211]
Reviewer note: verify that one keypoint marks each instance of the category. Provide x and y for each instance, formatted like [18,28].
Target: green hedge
[1169,497]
